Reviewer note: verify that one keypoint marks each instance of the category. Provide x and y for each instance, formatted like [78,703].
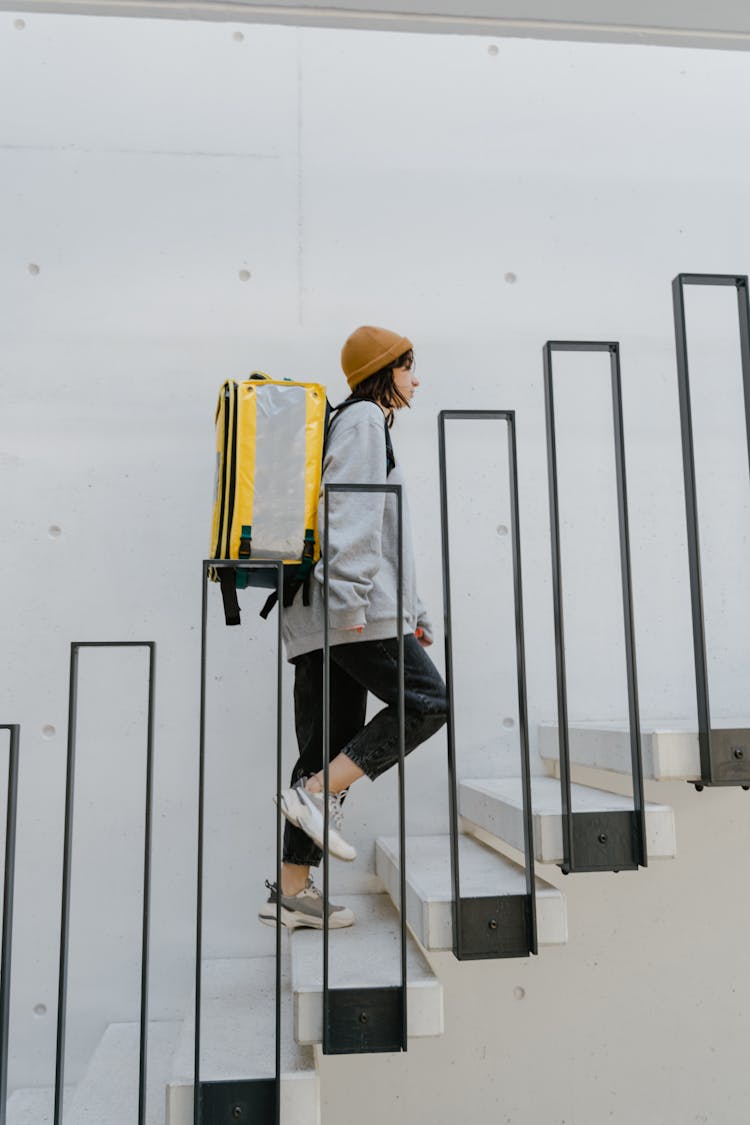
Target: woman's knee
[430,702]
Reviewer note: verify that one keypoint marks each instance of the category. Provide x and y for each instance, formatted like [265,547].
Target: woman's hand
[422,637]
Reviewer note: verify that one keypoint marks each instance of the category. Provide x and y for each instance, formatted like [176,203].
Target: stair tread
[238,1014]
[32,1104]
[482,870]
[108,1091]
[483,873]
[365,955]
[669,747]
[496,804]
[546,799]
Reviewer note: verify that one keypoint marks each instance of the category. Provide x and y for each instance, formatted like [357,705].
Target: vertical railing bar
[326,756]
[371,488]
[523,724]
[200,842]
[7,932]
[62,988]
[507,416]
[75,648]
[625,570]
[450,726]
[143,1048]
[557,598]
[743,312]
[627,604]
[401,759]
[279,739]
[244,564]
[693,534]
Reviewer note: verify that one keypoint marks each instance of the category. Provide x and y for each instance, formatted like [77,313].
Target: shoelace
[308,889]
[335,801]
[335,809]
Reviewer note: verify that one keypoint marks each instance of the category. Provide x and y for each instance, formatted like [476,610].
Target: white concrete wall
[482,198]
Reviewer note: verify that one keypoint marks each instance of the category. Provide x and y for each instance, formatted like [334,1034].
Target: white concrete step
[32,1106]
[108,1092]
[365,955]
[238,1021]
[495,805]
[669,747]
[483,872]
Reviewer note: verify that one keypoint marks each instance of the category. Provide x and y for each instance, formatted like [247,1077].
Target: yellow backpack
[269,453]
[270,439]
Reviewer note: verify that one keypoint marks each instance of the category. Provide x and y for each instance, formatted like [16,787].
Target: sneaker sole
[295,919]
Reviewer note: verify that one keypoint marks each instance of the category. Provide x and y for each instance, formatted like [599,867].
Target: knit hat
[370,349]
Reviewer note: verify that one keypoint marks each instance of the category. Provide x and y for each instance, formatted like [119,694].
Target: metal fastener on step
[493,923]
[738,751]
[363,1017]
[603,837]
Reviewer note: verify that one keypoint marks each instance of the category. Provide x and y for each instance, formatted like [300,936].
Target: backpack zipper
[217,552]
[233,476]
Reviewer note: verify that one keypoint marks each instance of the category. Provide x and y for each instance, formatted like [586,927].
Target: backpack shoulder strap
[390,459]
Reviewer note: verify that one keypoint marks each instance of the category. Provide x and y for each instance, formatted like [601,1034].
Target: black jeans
[356,669]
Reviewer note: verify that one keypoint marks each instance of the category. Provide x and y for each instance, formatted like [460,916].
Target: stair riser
[300,1101]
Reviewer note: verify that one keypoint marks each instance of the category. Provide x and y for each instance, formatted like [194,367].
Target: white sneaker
[305,810]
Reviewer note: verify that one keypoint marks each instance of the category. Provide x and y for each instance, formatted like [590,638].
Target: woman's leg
[374,664]
[348,710]
[374,748]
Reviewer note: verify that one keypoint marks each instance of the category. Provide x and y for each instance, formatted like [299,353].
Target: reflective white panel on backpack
[279,509]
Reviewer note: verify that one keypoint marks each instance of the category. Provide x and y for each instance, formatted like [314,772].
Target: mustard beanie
[369,349]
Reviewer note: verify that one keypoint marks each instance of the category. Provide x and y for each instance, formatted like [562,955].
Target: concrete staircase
[238,1018]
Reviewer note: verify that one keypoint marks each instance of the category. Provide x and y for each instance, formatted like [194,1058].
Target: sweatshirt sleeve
[356,455]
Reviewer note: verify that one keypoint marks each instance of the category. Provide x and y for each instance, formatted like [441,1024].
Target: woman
[363,626]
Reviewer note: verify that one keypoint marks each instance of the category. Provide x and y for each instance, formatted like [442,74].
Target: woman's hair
[381,388]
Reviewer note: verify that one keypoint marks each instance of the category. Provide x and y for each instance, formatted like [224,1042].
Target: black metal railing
[596,841]
[14,732]
[724,753]
[489,926]
[364,1020]
[75,649]
[252,1099]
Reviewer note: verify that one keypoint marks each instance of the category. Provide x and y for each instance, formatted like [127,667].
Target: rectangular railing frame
[256,1095]
[724,754]
[366,1020]
[489,927]
[75,648]
[6,942]
[613,841]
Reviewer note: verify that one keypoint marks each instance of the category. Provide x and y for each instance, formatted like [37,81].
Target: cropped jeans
[356,669]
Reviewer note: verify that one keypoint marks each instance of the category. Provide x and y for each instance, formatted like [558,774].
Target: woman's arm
[356,454]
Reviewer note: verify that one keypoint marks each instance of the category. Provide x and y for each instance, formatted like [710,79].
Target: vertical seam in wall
[300,211]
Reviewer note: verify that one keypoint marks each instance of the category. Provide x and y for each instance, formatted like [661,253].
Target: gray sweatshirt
[363,545]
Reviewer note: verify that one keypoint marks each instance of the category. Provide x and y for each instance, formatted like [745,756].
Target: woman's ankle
[293,878]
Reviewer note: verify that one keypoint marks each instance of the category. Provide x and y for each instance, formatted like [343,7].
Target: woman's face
[405,380]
